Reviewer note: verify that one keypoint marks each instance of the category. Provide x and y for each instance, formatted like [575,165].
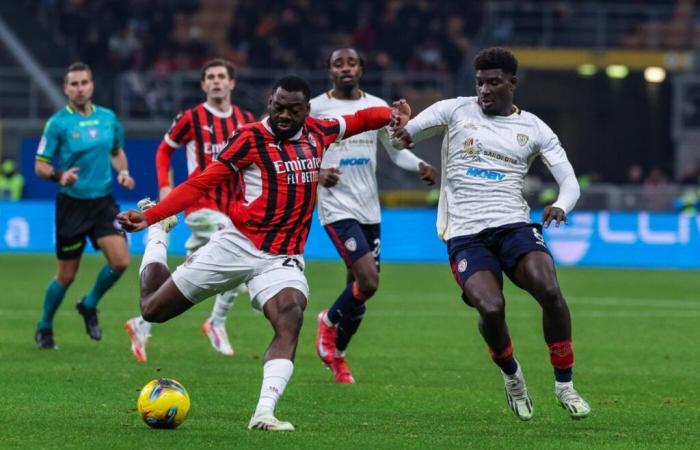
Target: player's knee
[368,283]
[65,279]
[120,266]
[151,313]
[491,311]
[549,294]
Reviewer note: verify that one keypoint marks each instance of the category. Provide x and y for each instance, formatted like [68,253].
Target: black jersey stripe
[226,195]
[199,142]
[307,191]
[284,150]
[271,205]
[184,129]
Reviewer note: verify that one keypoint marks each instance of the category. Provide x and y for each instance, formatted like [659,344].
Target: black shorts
[78,218]
[496,250]
[354,240]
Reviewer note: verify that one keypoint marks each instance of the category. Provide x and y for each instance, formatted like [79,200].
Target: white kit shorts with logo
[229,259]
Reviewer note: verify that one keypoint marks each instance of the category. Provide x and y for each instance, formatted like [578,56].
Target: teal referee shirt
[87,142]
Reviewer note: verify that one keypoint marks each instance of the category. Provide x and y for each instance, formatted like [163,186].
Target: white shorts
[203,223]
[229,259]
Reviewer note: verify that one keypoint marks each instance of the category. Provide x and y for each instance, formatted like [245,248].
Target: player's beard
[283,134]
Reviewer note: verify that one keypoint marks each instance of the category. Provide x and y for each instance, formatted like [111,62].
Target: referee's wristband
[55,175]
[124,172]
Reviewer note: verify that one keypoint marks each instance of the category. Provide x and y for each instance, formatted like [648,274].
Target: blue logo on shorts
[485,174]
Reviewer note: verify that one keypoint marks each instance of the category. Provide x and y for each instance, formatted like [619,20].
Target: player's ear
[513,82]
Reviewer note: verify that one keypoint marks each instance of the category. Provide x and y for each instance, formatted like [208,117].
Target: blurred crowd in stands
[171,35]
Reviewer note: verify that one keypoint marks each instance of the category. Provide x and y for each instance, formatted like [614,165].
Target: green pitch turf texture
[424,378]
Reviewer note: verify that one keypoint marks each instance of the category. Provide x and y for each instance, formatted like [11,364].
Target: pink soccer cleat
[341,372]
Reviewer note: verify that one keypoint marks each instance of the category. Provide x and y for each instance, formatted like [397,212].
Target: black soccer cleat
[92,326]
[44,339]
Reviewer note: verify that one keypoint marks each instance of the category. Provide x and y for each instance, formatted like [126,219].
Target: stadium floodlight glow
[617,71]
[587,70]
[654,74]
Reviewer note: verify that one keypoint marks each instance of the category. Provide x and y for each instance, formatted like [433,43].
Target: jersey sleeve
[431,121]
[118,143]
[333,130]
[239,151]
[50,141]
[180,130]
[550,149]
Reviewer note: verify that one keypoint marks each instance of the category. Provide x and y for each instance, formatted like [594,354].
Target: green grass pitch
[424,378]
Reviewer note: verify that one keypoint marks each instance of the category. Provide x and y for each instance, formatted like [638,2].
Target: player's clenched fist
[132,220]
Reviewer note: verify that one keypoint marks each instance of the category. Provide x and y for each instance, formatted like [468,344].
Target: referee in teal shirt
[85,141]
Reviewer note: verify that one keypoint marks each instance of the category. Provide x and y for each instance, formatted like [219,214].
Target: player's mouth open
[346,78]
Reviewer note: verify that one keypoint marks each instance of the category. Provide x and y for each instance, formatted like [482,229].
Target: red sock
[561,354]
[504,359]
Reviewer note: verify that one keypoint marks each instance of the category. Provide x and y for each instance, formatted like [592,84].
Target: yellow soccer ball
[163,403]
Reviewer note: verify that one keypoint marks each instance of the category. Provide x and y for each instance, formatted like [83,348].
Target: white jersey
[484,162]
[355,196]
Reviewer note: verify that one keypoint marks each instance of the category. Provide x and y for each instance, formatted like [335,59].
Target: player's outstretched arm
[430,122]
[376,117]
[132,221]
[182,196]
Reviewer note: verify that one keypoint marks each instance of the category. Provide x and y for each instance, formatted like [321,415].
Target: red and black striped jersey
[277,178]
[279,181]
[203,131]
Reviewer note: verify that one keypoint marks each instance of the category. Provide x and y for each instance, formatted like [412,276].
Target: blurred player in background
[348,206]
[277,162]
[488,146]
[203,131]
[87,141]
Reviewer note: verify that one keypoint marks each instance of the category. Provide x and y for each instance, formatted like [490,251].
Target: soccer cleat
[139,338]
[341,372]
[325,340]
[571,401]
[92,326]
[218,337]
[268,422]
[44,339]
[166,224]
[516,393]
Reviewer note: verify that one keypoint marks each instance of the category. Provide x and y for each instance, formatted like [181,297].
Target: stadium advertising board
[594,239]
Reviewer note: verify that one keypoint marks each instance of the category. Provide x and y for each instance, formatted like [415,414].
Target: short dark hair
[218,62]
[77,66]
[359,57]
[292,83]
[496,58]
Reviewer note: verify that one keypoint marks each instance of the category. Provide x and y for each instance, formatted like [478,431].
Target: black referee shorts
[78,218]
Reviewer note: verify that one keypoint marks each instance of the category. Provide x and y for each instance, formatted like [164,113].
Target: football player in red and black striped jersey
[276,163]
[203,131]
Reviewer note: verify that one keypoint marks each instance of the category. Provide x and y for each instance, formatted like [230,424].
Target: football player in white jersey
[348,206]
[488,146]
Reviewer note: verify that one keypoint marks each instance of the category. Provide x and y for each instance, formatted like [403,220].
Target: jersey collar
[217,113]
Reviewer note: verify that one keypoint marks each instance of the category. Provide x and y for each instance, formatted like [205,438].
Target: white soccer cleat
[516,393]
[218,337]
[571,401]
[166,224]
[268,422]
[139,338]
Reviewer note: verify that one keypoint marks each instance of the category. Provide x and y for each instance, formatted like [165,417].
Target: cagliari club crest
[522,138]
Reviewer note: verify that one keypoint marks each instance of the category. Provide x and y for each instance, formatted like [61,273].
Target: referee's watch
[55,175]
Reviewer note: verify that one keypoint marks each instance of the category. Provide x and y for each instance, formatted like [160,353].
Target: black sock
[348,326]
[344,305]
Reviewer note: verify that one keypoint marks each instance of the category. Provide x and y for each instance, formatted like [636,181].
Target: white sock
[156,248]
[144,325]
[223,303]
[276,375]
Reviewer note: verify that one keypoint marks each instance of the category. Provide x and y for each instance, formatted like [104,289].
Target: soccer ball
[163,403]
